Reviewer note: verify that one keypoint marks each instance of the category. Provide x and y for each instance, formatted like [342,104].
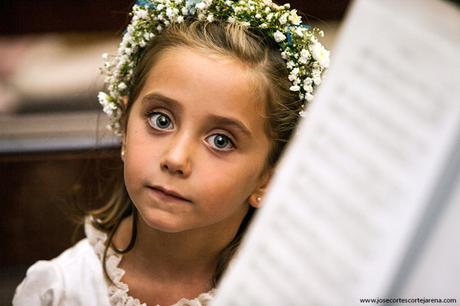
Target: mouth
[168,194]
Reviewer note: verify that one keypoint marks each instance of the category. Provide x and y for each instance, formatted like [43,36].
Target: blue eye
[220,142]
[160,121]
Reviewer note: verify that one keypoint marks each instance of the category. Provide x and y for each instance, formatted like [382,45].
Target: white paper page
[437,272]
[355,183]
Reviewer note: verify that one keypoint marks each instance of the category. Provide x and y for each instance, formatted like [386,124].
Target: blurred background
[54,147]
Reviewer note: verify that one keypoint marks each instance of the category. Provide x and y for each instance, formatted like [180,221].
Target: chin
[161,221]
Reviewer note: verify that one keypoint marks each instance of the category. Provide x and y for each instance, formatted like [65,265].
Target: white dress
[76,278]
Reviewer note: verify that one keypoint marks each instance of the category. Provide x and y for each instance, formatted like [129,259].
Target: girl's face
[195,145]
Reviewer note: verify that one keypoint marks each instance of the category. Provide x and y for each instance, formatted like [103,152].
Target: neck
[191,254]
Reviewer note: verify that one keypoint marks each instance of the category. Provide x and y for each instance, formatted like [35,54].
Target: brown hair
[281,107]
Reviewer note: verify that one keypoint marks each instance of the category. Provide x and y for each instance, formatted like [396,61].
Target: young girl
[205,95]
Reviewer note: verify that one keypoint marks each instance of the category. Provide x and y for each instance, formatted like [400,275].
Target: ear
[123,147]
[256,198]
[124,100]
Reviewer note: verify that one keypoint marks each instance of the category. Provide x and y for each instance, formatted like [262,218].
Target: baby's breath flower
[309,97]
[200,6]
[283,18]
[320,54]
[294,18]
[122,86]
[304,56]
[299,31]
[279,36]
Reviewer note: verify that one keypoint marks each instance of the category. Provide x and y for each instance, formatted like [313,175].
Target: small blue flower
[192,2]
[190,6]
[289,34]
[144,3]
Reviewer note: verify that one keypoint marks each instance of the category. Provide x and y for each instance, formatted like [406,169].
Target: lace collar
[119,291]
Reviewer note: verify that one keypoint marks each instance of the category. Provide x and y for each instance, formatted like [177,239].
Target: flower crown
[305,57]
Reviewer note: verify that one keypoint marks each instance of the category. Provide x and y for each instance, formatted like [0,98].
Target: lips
[168,193]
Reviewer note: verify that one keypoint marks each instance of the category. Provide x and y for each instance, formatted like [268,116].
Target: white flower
[210,18]
[320,54]
[104,100]
[201,6]
[105,56]
[122,86]
[300,31]
[184,11]
[309,97]
[142,14]
[304,56]
[180,19]
[160,7]
[263,26]
[283,18]
[148,36]
[169,12]
[307,88]
[159,28]
[231,19]
[307,81]
[245,23]
[278,36]
[294,88]
[258,16]
[294,18]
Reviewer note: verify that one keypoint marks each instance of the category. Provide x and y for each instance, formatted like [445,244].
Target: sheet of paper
[354,186]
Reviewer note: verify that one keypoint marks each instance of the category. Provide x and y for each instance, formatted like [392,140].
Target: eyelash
[149,116]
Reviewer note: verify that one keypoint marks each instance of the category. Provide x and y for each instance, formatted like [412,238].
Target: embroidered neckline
[118,290]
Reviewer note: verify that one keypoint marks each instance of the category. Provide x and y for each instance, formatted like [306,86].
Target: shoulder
[72,278]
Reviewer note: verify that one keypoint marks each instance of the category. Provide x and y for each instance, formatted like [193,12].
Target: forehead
[209,82]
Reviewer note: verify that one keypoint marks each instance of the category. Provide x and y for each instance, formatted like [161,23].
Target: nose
[176,159]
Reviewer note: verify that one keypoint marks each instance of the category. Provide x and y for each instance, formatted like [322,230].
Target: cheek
[230,182]
[139,161]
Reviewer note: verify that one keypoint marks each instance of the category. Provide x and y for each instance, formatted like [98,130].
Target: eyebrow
[216,119]
[232,122]
[161,98]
